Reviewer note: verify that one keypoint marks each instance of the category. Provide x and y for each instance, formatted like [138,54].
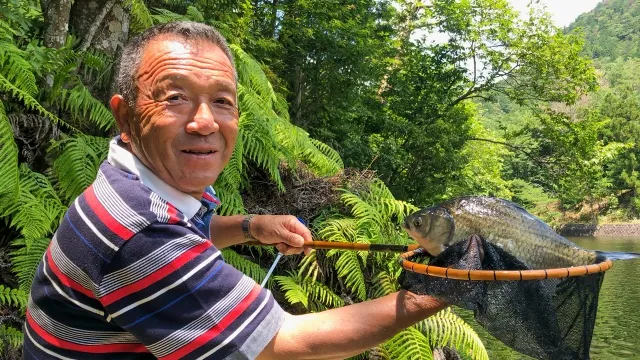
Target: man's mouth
[198,152]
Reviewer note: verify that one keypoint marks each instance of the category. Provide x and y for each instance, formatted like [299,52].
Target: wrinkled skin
[185,121]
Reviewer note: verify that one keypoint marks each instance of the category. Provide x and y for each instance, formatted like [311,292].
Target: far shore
[622,230]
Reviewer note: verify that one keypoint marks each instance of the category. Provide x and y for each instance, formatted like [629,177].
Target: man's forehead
[179,47]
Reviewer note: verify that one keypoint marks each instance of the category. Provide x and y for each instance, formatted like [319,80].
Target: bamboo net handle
[349,246]
[503,275]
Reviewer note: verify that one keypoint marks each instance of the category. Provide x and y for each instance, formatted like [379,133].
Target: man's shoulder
[117,206]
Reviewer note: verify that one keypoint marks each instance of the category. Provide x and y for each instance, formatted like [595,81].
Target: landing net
[551,315]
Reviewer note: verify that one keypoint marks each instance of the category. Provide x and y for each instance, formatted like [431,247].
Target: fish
[503,224]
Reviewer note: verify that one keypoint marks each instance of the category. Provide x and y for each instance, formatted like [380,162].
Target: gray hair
[132,52]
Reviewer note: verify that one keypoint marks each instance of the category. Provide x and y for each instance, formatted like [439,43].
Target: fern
[308,267]
[294,293]
[10,336]
[448,329]
[9,181]
[83,105]
[13,297]
[410,344]
[311,294]
[26,258]
[38,209]
[16,69]
[30,102]
[245,266]
[141,18]
[384,284]
[78,161]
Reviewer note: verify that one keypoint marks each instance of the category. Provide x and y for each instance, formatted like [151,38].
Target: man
[131,272]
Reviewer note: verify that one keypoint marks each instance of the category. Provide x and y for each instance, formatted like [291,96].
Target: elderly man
[135,271]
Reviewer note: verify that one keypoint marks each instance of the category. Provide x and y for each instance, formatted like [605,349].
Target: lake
[617,330]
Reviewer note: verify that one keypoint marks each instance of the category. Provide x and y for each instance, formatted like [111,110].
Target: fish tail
[618,255]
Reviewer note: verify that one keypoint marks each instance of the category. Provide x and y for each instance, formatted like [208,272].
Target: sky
[563,12]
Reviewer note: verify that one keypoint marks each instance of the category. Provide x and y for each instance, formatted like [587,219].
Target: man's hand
[286,231]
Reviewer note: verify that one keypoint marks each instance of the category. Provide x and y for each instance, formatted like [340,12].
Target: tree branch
[86,42]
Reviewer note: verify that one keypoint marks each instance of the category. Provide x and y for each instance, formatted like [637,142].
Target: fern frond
[245,266]
[9,181]
[77,164]
[349,268]
[141,18]
[163,16]
[26,258]
[320,296]
[384,284]
[230,198]
[16,69]
[308,267]
[293,292]
[30,102]
[409,344]
[11,336]
[13,297]
[38,209]
[448,329]
[194,14]
[83,105]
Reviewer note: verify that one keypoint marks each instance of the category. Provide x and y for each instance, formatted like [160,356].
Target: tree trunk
[103,32]
[102,25]
[56,20]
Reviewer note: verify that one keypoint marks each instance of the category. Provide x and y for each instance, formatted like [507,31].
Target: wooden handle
[349,246]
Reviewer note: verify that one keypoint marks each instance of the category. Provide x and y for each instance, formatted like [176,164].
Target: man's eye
[176,97]
[223,102]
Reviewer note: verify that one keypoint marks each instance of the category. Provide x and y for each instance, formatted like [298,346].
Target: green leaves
[77,162]
[13,297]
[10,336]
[8,162]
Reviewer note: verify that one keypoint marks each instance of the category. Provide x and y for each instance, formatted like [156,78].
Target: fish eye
[417,222]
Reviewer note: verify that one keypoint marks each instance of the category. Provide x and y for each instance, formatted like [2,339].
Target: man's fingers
[288,250]
[294,240]
[295,226]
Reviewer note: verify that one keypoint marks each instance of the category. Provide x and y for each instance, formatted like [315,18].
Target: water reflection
[617,330]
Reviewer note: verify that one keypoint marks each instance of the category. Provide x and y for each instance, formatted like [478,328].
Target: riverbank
[599,230]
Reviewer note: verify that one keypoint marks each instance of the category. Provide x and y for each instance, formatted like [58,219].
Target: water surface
[617,330]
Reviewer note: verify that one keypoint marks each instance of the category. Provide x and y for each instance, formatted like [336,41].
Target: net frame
[498,275]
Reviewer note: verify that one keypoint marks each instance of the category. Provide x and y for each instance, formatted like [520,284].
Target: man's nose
[203,122]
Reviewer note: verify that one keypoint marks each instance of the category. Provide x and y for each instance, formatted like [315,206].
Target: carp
[503,224]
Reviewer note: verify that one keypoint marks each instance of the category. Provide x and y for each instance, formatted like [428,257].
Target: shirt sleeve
[171,289]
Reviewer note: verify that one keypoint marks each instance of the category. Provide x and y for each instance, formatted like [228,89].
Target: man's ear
[122,112]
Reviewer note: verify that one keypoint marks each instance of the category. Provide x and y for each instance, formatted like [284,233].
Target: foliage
[13,297]
[610,30]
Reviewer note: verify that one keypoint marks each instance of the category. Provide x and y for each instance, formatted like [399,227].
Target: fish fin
[618,255]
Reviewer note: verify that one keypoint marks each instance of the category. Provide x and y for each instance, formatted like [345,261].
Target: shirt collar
[122,159]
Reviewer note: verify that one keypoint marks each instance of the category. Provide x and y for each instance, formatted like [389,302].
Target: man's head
[177,103]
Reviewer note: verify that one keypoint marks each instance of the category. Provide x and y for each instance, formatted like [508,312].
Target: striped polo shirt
[131,274]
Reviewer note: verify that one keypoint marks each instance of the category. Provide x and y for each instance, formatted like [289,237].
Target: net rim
[499,275]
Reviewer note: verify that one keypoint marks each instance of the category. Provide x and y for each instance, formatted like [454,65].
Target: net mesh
[545,319]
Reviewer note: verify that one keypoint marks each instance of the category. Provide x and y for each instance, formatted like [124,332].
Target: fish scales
[500,222]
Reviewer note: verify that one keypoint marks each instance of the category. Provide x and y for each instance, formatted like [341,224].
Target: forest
[354,114]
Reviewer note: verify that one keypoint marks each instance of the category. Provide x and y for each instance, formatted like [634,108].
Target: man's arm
[285,231]
[350,330]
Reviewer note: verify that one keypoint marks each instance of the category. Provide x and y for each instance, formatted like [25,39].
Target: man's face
[185,121]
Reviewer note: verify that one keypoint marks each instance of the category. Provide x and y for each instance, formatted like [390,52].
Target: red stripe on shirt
[173,214]
[96,349]
[208,197]
[114,225]
[157,275]
[217,328]
[65,280]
